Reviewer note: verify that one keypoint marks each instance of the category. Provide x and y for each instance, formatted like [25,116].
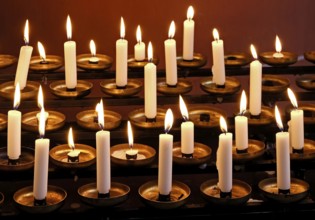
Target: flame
[100,114]
[171,30]
[26,33]
[278,118]
[168,122]
[183,108]
[253,50]
[292,98]
[243,103]
[150,51]
[70,139]
[215,34]
[42,122]
[130,135]
[17,96]
[40,98]
[92,48]
[190,13]
[41,51]
[122,28]
[223,124]
[138,35]
[69,28]
[278,45]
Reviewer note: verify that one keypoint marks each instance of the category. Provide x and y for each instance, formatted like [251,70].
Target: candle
[121,57]
[255,84]
[278,53]
[166,156]
[42,53]
[187,131]
[41,161]
[93,58]
[296,124]
[218,68]
[188,38]
[150,98]
[73,155]
[40,103]
[14,128]
[70,58]
[170,57]
[282,155]
[131,153]
[241,126]
[140,46]
[224,158]
[103,176]
[24,60]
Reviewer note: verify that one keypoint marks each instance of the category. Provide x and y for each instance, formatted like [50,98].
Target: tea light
[73,155]
[188,38]
[241,127]
[170,57]
[42,52]
[218,68]
[140,46]
[131,153]
[93,58]
[278,46]
[121,57]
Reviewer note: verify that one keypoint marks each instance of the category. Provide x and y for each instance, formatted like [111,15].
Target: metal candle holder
[266,117]
[308,152]
[25,161]
[138,119]
[310,56]
[306,82]
[59,89]
[255,149]
[139,64]
[110,88]
[50,64]
[287,59]
[183,86]
[7,60]
[3,121]
[198,61]
[273,84]
[29,92]
[104,62]
[237,59]
[231,86]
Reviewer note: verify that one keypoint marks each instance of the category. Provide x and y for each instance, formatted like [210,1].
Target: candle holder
[266,117]
[240,194]
[288,58]
[310,56]
[149,193]
[24,199]
[231,86]
[197,62]
[110,88]
[59,89]
[308,152]
[29,92]
[7,60]
[145,156]
[25,162]
[138,119]
[306,82]
[201,154]
[55,121]
[308,112]
[139,64]
[104,62]
[59,156]
[237,59]
[299,189]
[118,193]
[88,119]
[272,87]
[3,121]
[255,149]
[50,64]
[182,87]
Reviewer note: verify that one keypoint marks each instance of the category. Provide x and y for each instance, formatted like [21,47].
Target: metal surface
[232,85]
[7,60]
[52,63]
[308,151]
[26,160]
[198,61]
[183,86]
[3,121]
[255,149]
[109,87]
[237,59]
[59,89]
[134,64]
[104,62]
[310,56]
[29,92]
[212,114]
[306,82]
[273,84]
[288,58]
[138,119]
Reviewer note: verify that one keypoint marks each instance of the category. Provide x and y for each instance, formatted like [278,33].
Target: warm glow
[42,122]
[17,96]
[122,28]
[190,13]
[168,122]
[40,98]
[150,51]
[26,33]
[223,124]
[215,34]
[171,30]
[41,51]
[253,50]
[130,135]
[292,98]
[92,48]
[183,108]
[243,103]
[278,45]
[100,114]
[70,139]
[69,28]
[278,118]
[138,34]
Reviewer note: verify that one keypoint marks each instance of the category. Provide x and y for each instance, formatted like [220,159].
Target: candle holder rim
[59,89]
[183,86]
[109,87]
[135,64]
[197,110]
[26,160]
[282,84]
[232,85]
[137,118]
[306,82]
[241,59]
[198,61]
[9,60]
[288,58]
[55,62]
[105,62]
[255,149]
[29,92]
[308,152]
[309,56]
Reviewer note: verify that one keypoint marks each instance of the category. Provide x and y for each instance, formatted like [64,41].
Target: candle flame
[278,45]
[292,98]
[17,96]
[190,13]
[69,28]
[215,34]
[122,28]
[41,51]
[26,33]
[183,108]
[253,51]
[168,122]
[40,98]
[150,51]
[223,124]
[130,134]
[70,139]
[42,122]
[138,34]
[100,114]
[243,103]
[92,48]
[171,30]
[278,118]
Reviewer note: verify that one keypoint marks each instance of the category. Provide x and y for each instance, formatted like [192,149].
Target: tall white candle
[70,58]
[255,84]
[140,46]
[224,158]
[24,60]
[241,126]
[121,57]
[187,130]
[170,57]
[166,157]
[150,97]
[218,68]
[188,38]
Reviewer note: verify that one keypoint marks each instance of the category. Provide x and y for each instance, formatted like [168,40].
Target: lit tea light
[278,53]
[241,127]
[73,155]
[94,58]
[140,46]
[40,103]
[42,52]
[131,153]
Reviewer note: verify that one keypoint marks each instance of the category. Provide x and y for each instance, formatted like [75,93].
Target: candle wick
[101,126]
[185,118]
[151,60]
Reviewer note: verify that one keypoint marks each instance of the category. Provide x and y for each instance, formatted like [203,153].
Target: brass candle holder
[24,199]
[25,161]
[266,117]
[59,89]
[183,86]
[288,58]
[3,121]
[255,149]
[29,92]
[7,60]
[240,194]
[102,62]
[310,56]
[237,59]
[149,193]
[272,87]
[308,113]
[138,119]
[308,152]
[51,63]
[110,88]
[198,61]
[139,64]
[306,82]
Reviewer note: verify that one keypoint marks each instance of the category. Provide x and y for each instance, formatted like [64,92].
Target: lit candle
[103,176]
[282,155]
[241,127]
[150,98]
[70,58]
[40,103]
[94,58]
[224,158]
[278,53]
[166,157]
[73,155]
[42,53]
[131,153]
[296,124]
[255,84]
[188,38]
[41,161]
[24,60]
[170,57]
[121,57]
[187,131]
[140,46]
[14,127]
[218,68]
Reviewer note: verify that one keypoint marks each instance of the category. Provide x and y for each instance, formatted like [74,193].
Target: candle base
[40,202]
[298,151]
[103,195]
[59,89]
[237,59]
[98,62]
[50,64]
[204,117]
[196,62]
[25,161]
[255,116]
[230,87]
[171,86]
[73,159]
[243,151]
[121,87]
[43,62]
[220,86]
[137,118]
[71,90]
[284,191]
[225,194]
[150,120]
[131,156]
[109,87]
[93,61]
[164,198]
[288,58]
[183,86]
[13,161]
[187,155]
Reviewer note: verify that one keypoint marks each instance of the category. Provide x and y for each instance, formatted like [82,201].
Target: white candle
[218,68]
[24,60]
[166,157]
[140,46]
[278,53]
[41,162]
[188,38]
[103,176]
[255,84]
[187,130]
[14,128]
[150,97]
[131,151]
[70,58]
[170,57]
[282,155]
[224,158]
[121,57]
[241,126]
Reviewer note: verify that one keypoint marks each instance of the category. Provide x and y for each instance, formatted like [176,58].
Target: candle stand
[59,89]
[7,60]
[198,61]
[183,86]
[288,58]
[237,59]
[110,88]
[25,161]
[29,92]
[135,65]
[104,62]
[255,149]
[138,119]
[50,64]
[265,118]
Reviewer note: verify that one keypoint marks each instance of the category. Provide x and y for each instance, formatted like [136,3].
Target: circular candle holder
[54,121]
[145,156]
[25,162]
[299,189]
[237,59]
[118,193]
[50,64]
[59,89]
[232,85]
[30,90]
[139,64]
[138,119]
[308,113]
[201,154]
[149,193]
[287,59]
[306,82]
[3,121]
[273,84]
[308,152]
[310,56]
[240,193]
[109,87]
[198,61]
[7,60]
[182,87]
[255,149]
[88,119]
[266,117]
[59,156]
[104,62]
[24,199]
